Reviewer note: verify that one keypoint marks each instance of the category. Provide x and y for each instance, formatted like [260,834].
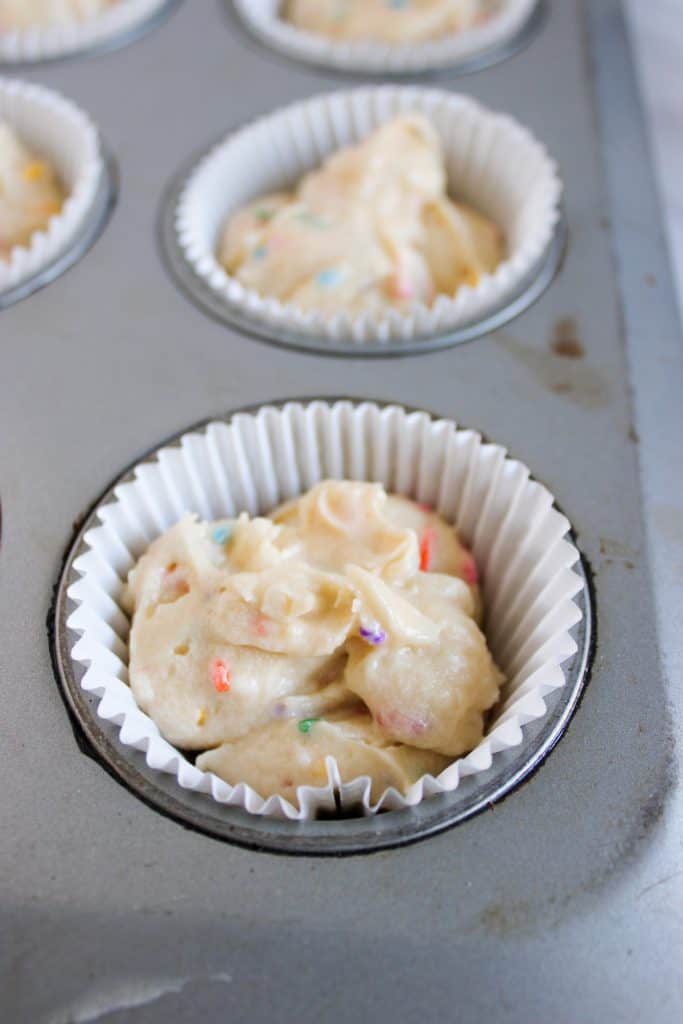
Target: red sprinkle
[427,543]
[173,584]
[220,677]
[397,720]
[260,627]
[470,572]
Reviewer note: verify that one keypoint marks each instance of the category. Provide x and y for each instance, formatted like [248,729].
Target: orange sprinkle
[470,277]
[427,543]
[173,584]
[220,677]
[34,171]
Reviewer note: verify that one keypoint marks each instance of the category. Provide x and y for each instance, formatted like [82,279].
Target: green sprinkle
[263,214]
[307,724]
[313,220]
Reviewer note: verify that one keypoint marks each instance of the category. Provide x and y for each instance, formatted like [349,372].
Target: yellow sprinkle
[35,171]
[470,277]
[51,209]
[201,717]
[319,771]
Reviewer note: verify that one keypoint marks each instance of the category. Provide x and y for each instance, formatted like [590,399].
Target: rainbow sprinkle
[373,634]
[470,573]
[34,171]
[427,545]
[220,677]
[306,724]
[312,220]
[329,278]
[222,534]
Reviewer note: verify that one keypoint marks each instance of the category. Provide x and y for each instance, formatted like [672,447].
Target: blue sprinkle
[259,254]
[398,5]
[222,534]
[329,278]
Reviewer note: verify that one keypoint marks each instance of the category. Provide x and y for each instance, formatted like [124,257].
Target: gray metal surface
[562,902]
[338,836]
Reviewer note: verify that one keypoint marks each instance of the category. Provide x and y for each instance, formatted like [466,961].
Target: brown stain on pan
[565,341]
[615,552]
[568,374]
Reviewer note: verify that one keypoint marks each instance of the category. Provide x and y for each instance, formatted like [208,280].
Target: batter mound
[372,230]
[344,625]
[30,193]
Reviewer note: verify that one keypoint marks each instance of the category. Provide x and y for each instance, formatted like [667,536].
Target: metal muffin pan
[335,835]
[112,910]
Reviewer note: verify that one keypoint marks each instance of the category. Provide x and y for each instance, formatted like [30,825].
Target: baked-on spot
[565,339]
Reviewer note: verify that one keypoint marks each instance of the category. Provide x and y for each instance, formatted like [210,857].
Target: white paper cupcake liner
[114,25]
[260,459]
[492,162]
[58,130]
[263,19]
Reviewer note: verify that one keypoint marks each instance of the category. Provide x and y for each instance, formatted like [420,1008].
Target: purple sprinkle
[281,711]
[373,636]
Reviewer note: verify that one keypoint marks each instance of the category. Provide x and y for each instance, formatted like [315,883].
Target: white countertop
[657,31]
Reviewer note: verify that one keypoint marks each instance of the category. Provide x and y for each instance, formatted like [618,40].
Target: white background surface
[657,31]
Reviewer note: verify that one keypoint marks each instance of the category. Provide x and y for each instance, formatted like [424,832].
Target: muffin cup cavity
[492,162]
[115,27]
[259,459]
[484,44]
[58,130]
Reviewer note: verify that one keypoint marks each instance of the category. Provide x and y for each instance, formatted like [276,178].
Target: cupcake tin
[558,902]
